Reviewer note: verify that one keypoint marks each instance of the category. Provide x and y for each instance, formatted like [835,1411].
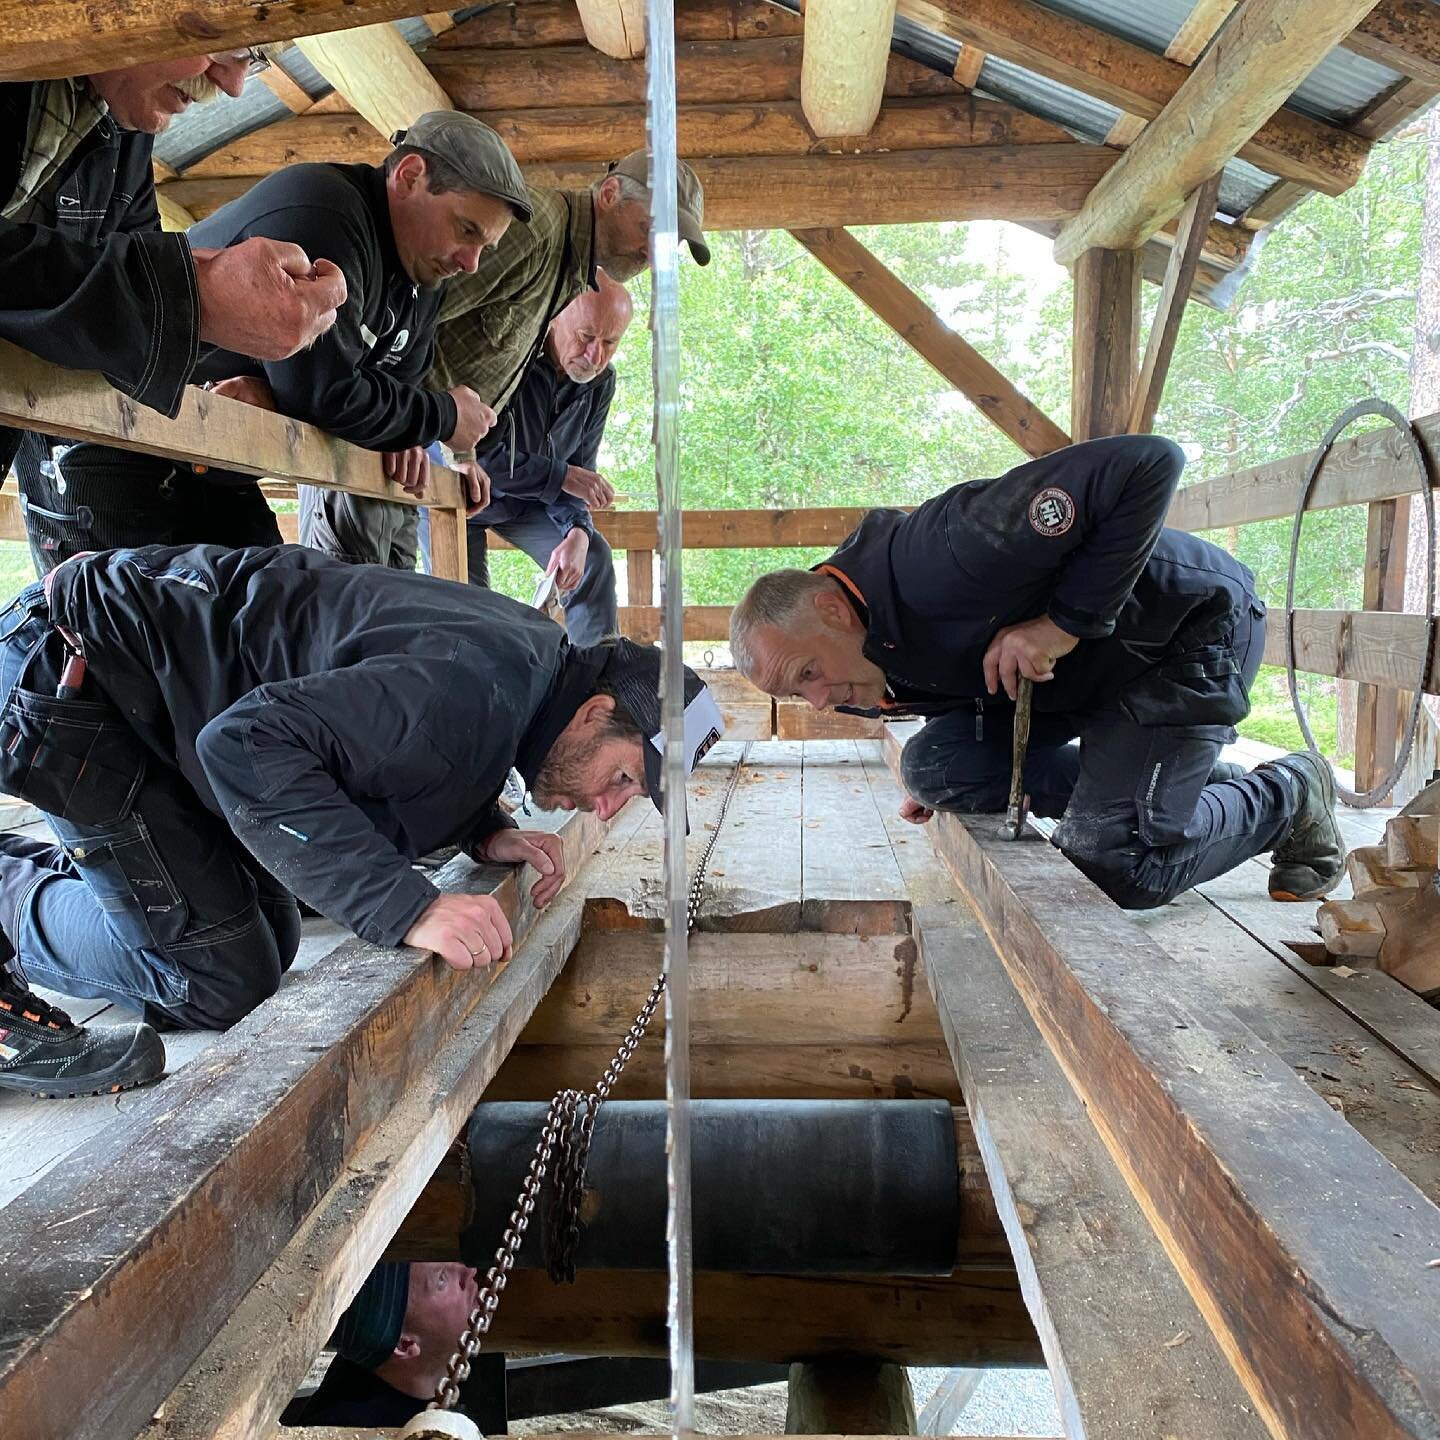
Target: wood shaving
[1344,972]
[1177,1340]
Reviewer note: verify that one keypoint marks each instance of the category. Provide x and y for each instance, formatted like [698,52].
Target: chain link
[568,1128]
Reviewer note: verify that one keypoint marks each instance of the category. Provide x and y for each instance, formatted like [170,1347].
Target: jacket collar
[580,242]
[373,185]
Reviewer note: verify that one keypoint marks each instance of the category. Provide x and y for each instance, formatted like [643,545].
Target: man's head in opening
[612,748]
[453,188]
[797,635]
[406,1320]
[148,97]
[584,336]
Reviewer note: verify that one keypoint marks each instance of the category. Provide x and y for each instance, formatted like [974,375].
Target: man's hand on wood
[465,931]
[409,468]
[539,849]
[477,486]
[248,389]
[1029,650]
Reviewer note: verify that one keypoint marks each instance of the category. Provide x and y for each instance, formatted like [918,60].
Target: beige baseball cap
[689,199]
[475,150]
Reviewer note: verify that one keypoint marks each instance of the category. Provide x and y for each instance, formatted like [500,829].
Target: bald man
[541,459]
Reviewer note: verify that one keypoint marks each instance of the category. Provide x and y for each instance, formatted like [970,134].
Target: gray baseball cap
[689,199]
[475,150]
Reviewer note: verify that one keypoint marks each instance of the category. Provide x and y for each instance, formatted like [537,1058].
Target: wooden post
[449,544]
[849,1396]
[1377,722]
[640,576]
[1106,341]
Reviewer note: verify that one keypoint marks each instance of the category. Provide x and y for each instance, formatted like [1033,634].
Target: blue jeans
[1136,812]
[590,608]
[148,898]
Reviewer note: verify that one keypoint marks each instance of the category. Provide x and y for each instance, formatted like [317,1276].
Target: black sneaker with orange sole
[45,1054]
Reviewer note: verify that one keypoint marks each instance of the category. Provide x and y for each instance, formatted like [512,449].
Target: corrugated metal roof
[204,128]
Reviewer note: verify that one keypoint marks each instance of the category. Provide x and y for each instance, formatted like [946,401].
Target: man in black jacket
[1142,643]
[542,456]
[398,232]
[91,281]
[248,726]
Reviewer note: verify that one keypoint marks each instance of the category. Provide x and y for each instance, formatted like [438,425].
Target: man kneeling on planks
[1141,642]
[214,732]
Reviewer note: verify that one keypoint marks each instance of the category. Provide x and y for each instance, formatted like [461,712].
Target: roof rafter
[847,55]
[614,27]
[1133,79]
[375,69]
[1265,51]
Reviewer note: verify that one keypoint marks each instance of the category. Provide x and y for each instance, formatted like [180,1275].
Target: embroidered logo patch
[1052,512]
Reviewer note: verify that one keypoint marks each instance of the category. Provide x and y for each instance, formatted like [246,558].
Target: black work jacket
[362,379]
[343,719]
[96,285]
[551,423]
[1078,535]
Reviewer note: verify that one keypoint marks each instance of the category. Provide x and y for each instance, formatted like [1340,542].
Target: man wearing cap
[442,197]
[493,323]
[91,280]
[214,732]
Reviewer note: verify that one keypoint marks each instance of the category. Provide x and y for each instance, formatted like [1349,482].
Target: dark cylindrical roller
[781,1187]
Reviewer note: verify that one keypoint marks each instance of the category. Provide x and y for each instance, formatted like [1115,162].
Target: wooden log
[798,720]
[847,53]
[557,22]
[164,1223]
[1105,342]
[1218,1140]
[1137,81]
[702,622]
[916,323]
[379,75]
[972,1317]
[706,71]
[1394,928]
[1029,183]
[1379,649]
[173,216]
[40,39]
[581,134]
[1174,294]
[1257,60]
[1360,469]
[749,714]
[614,27]
[846,1396]
[1377,718]
[736,529]
[1403,35]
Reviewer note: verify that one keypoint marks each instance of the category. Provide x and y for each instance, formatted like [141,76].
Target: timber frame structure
[1197,1167]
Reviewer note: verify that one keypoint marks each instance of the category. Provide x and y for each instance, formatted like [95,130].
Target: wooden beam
[290,93]
[1377,710]
[1403,35]
[916,323]
[578,134]
[1265,51]
[973,1317]
[35,395]
[702,622]
[1376,465]
[557,22]
[1195,220]
[1195,33]
[1376,648]
[968,65]
[44,38]
[375,69]
[847,53]
[1139,82]
[1105,341]
[614,27]
[172,215]
[322,1112]
[1291,1233]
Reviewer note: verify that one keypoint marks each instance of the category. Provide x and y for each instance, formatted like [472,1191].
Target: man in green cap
[445,195]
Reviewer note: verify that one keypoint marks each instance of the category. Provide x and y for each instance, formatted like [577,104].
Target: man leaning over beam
[214,732]
[1142,643]
[541,462]
[398,230]
[91,280]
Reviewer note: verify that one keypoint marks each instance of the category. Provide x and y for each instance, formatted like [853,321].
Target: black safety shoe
[1310,861]
[1223,770]
[45,1054]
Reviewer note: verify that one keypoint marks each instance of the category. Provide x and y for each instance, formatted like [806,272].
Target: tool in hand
[1015,815]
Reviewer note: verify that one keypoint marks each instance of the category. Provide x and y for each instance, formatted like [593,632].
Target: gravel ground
[1008,1402]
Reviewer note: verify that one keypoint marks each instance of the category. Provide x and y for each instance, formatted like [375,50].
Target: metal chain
[568,1127]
